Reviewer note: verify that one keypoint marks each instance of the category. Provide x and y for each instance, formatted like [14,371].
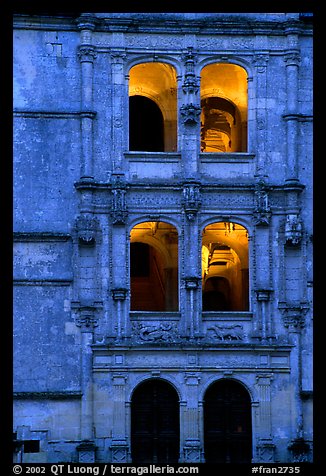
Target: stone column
[191,258]
[260,62]
[87,55]
[119,446]
[190,118]
[191,421]
[262,253]
[120,107]
[292,61]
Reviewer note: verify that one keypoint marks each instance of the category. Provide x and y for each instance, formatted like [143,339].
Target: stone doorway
[155,423]
[227,423]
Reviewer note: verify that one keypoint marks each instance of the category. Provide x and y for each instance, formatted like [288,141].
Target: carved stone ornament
[86,227]
[190,114]
[293,230]
[262,211]
[163,332]
[191,200]
[293,315]
[190,84]
[225,333]
[119,212]
[86,315]
[86,452]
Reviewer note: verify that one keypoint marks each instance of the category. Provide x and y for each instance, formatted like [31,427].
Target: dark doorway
[155,423]
[227,423]
[216,294]
[146,125]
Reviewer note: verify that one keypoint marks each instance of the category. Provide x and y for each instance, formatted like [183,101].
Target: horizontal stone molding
[42,282]
[34,236]
[55,395]
[54,114]
[220,316]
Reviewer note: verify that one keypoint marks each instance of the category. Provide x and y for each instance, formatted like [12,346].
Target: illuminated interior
[224,102]
[225,276]
[154,83]
[154,267]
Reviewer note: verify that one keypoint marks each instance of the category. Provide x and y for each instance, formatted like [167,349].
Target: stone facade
[80,349]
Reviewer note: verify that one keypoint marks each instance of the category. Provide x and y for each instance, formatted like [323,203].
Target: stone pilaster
[87,54]
[190,111]
[119,446]
[191,423]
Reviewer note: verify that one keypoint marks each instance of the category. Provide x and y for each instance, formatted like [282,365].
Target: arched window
[224,102]
[225,272]
[154,267]
[153,107]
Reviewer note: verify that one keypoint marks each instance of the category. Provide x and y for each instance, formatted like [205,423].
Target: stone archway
[227,423]
[155,430]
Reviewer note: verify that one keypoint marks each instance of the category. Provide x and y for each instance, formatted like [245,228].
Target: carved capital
[86,53]
[86,315]
[292,58]
[119,294]
[192,282]
[263,294]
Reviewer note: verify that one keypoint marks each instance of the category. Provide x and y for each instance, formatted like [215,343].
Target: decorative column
[87,55]
[260,62]
[292,62]
[265,446]
[262,250]
[119,108]
[191,203]
[119,244]
[191,420]
[265,331]
[86,319]
[190,118]
[119,446]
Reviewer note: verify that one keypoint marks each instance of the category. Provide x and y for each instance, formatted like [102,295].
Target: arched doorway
[155,423]
[227,423]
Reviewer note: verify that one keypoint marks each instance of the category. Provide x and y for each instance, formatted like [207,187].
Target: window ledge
[228,315]
[154,315]
[227,157]
[139,156]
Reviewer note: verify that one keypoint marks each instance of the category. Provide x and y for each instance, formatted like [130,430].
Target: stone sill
[139,156]
[154,315]
[227,315]
[227,157]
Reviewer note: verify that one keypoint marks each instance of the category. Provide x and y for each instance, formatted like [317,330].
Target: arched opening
[225,273]
[227,423]
[152,108]
[155,423]
[154,267]
[146,129]
[224,102]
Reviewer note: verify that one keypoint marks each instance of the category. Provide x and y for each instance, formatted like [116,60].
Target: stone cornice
[181,23]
